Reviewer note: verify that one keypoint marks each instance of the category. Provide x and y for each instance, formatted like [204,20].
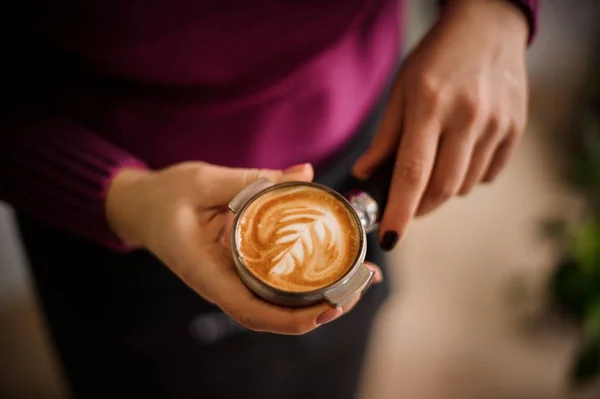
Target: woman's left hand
[458,107]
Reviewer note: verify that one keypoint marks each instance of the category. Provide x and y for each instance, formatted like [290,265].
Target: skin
[456,112]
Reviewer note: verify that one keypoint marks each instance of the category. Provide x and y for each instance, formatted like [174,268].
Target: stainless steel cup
[353,283]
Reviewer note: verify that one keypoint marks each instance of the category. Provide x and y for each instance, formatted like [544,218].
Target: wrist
[122,206]
[503,18]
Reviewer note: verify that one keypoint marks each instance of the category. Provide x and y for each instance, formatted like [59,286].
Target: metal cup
[352,284]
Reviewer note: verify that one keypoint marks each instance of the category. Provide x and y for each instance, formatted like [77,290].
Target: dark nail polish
[389,240]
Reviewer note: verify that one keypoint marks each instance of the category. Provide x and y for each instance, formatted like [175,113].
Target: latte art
[298,238]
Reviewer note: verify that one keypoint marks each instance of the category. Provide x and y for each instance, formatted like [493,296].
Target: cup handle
[238,202]
[357,285]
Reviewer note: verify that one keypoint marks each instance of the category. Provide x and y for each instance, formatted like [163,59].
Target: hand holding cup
[180,214]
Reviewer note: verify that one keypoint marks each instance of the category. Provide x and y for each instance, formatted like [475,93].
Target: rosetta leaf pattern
[301,232]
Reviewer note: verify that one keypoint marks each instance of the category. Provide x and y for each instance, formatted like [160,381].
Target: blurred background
[470,280]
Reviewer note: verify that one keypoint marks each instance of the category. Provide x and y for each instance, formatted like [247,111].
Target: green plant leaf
[585,245]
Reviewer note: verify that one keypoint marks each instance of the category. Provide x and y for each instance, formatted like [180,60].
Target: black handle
[378,185]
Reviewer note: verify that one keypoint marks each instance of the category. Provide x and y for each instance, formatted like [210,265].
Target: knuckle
[429,84]
[472,107]
[431,88]
[412,171]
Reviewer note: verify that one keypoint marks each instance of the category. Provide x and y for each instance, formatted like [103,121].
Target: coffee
[298,238]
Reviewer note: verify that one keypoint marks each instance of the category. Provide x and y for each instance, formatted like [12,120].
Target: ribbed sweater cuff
[59,172]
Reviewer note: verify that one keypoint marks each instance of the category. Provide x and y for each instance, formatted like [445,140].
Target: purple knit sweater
[266,83]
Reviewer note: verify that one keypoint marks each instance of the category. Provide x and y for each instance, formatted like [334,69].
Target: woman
[119,113]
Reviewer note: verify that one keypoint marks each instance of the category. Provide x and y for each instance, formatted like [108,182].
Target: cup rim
[358,261]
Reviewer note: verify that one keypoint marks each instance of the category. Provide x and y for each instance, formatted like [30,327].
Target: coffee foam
[298,238]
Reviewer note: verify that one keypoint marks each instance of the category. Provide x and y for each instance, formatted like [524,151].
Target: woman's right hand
[180,214]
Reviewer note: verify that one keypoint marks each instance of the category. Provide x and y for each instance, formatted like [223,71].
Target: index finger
[413,167]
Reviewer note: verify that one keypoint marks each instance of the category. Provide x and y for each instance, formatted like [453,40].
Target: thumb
[227,182]
[300,172]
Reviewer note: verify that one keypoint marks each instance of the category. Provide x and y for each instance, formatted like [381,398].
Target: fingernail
[295,169]
[389,240]
[330,315]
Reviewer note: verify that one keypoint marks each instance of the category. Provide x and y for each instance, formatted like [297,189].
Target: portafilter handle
[370,197]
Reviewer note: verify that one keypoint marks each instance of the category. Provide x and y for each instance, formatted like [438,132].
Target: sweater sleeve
[58,172]
[531,10]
